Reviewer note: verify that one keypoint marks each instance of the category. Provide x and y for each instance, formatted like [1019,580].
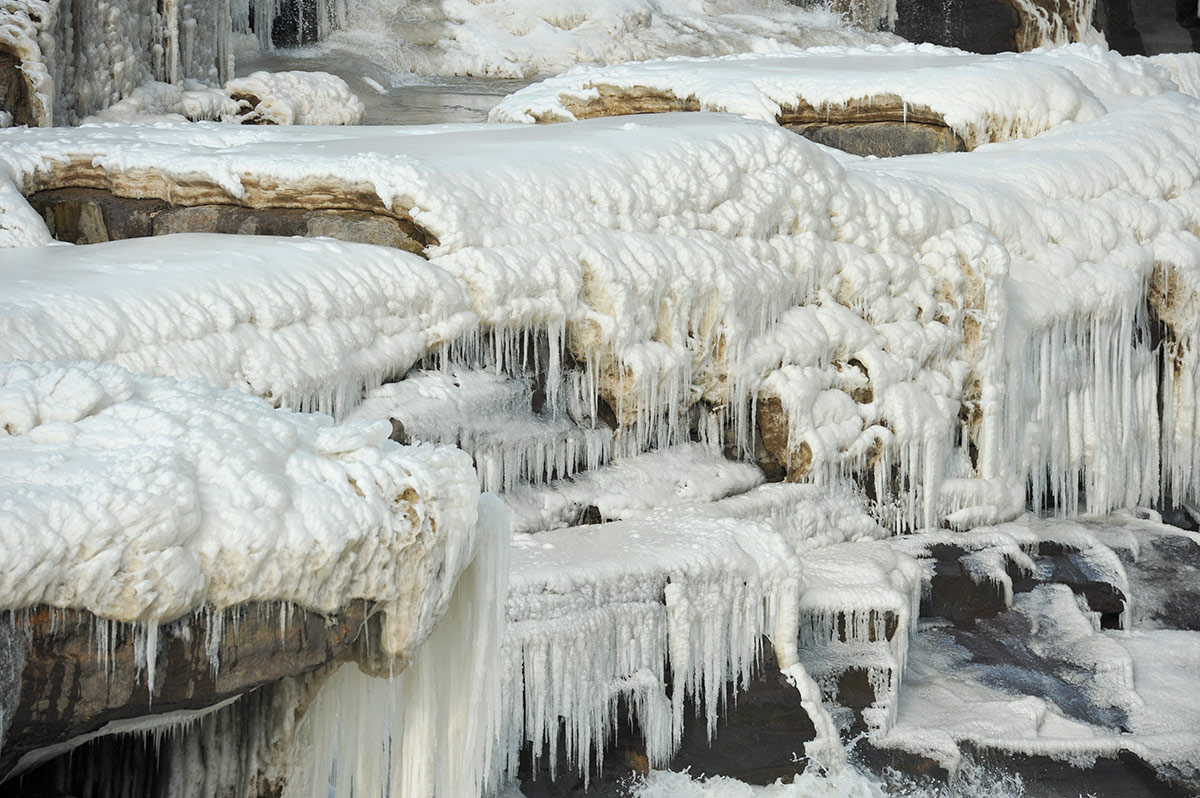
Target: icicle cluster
[86,59]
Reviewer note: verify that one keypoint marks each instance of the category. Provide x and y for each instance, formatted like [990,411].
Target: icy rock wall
[1053,23]
[601,619]
[24,36]
[910,322]
[83,57]
[1081,366]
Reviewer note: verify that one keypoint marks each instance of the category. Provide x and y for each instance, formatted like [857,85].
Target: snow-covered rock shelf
[893,316]
[980,98]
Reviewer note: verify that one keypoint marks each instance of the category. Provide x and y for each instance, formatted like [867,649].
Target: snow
[80,61]
[262,314]
[491,417]
[20,225]
[431,728]
[631,486]
[874,299]
[165,102]
[297,98]
[262,98]
[524,39]
[141,499]
[981,98]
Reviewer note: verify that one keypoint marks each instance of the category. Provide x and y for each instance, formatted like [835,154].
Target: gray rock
[883,139]
[71,684]
[14,90]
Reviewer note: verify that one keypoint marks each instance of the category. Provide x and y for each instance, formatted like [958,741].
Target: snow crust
[520,38]
[598,612]
[262,314]
[982,98]
[141,499]
[297,98]
[968,322]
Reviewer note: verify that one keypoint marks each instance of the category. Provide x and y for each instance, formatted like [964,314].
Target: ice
[1055,24]
[83,60]
[520,38]
[982,98]
[25,31]
[264,98]
[596,613]
[926,342]
[261,314]
[431,728]
[491,417]
[140,499]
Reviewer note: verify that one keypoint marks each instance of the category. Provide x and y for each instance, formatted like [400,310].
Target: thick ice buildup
[82,59]
[682,596]
[431,729]
[1087,215]
[24,34]
[982,98]
[520,38]
[904,319]
[262,314]
[140,499]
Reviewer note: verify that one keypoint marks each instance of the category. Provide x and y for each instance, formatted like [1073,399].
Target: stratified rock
[90,216]
[72,683]
[883,139]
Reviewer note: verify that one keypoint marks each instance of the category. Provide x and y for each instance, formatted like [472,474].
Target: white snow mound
[140,499]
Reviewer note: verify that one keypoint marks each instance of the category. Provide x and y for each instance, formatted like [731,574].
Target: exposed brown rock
[882,125]
[617,101]
[16,96]
[72,684]
[310,194]
[89,216]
